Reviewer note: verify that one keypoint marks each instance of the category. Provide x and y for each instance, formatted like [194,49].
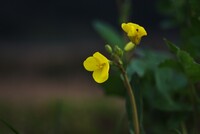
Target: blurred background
[43,86]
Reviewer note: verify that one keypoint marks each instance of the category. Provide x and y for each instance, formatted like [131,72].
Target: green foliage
[190,67]
[183,14]
[164,84]
[149,61]
[174,9]
[163,81]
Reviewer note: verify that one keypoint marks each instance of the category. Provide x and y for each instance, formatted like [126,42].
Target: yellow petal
[132,25]
[132,32]
[102,59]
[141,32]
[125,27]
[100,66]
[91,64]
[137,40]
[101,75]
[133,29]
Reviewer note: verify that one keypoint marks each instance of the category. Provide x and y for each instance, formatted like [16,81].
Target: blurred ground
[45,89]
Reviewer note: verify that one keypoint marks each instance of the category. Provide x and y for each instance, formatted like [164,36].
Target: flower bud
[108,48]
[129,46]
[118,51]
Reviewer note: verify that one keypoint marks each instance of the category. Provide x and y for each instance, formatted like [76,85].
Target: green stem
[132,100]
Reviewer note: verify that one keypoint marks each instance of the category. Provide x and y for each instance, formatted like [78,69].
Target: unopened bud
[129,46]
[108,48]
[118,51]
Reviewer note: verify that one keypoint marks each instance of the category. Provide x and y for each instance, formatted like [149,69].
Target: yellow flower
[99,65]
[134,32]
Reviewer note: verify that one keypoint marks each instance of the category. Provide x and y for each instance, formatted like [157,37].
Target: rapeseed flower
[99,65]
[134,31]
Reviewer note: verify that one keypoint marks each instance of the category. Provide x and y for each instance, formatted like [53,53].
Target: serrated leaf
[108,33]
[191,68]
[172,47]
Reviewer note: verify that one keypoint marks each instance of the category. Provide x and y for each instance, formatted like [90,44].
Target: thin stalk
[132,101]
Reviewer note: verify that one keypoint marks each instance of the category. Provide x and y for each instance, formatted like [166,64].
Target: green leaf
[193,46]
[190,67]
[172,47]
[171,63]
[9,126]
[137,66]
[169,82]
[160,87]
[149,61]
[161,78]
[109,34]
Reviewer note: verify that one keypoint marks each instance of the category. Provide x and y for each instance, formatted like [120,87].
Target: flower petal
[142,32]
[100,66]
[135,39]
[91,64]
[125,27]
[132,32]
[105,69]
[101,58]
[100,75]
[132,25]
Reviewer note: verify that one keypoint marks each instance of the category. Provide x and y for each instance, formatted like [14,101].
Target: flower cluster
[99,64]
